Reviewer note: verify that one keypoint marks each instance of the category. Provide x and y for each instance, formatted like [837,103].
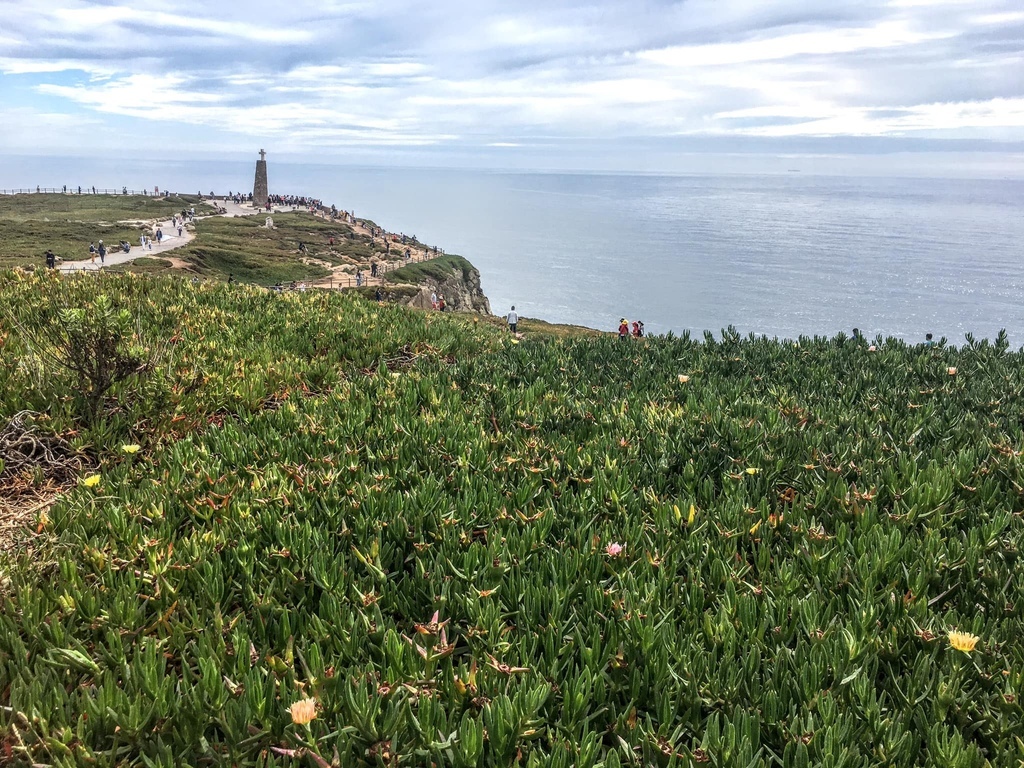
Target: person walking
[513,319]
[103,253]
[623,329]
[92,253]
[51,260]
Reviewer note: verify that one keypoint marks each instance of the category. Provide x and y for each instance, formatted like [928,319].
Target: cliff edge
[451,276]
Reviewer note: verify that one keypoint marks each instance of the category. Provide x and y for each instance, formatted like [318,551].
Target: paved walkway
[116,256]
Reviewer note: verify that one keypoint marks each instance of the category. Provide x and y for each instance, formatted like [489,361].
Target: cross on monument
[263,155]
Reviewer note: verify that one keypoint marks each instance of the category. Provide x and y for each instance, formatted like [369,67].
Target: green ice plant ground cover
[460,550]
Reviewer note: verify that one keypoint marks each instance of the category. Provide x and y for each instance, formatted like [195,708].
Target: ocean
[782,255]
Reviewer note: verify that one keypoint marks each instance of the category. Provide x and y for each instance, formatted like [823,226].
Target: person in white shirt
[513,320]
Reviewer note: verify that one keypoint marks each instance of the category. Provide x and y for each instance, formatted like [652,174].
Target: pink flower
[614,549]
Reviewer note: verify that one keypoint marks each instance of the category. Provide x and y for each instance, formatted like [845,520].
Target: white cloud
[13,66]
[824,120]
[1010,17]
[395,68]
[444,73]
[818,43]
[87,19]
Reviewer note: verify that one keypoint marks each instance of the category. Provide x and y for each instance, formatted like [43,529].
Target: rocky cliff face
[461,291]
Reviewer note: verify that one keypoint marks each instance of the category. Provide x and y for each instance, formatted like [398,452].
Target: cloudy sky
[606,82]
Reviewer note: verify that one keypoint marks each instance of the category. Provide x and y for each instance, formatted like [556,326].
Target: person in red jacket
[623,329]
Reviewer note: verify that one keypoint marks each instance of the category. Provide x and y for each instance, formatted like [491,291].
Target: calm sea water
[782,255]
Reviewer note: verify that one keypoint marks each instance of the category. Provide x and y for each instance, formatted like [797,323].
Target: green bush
[85,346]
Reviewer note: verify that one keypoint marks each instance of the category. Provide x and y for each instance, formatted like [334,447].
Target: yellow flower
[963,641]
[131,448]
[303,711]
[752,470]
[951,371]
[683,378]
[91,481]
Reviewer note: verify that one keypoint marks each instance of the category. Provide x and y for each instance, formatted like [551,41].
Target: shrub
[94,343]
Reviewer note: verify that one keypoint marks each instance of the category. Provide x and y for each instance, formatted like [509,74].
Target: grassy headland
[244,247]
[251,252]
[469,551]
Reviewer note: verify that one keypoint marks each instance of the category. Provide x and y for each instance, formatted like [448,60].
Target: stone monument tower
[259,187]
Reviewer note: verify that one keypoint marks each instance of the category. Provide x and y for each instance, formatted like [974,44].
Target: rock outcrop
[458,282]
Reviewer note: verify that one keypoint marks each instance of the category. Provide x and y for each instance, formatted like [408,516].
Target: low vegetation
[441,268]
[315,530]
[532,328]
[144,265]
[246,248]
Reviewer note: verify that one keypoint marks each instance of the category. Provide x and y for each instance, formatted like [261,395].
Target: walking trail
[170,241]
[115,255]
[339,278]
